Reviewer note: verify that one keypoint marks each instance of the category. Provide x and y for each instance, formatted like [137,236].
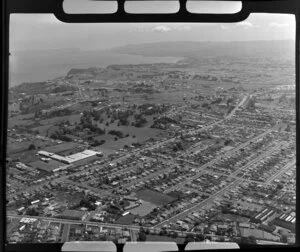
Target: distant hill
[212,49]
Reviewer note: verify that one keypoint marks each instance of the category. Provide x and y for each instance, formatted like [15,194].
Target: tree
[222,239]
[31,147]
[162,232]
[174,235]
[32,212]
[279,186]
[189,238]
[284,239]
[142,236]
[248,240]
[199,237]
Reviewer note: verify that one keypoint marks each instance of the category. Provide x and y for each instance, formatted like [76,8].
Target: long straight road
[212,162]
[197,206]
[218,193]
[67,221]
[284,169]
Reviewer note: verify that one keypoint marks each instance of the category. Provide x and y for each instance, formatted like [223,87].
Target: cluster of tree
[104,180]
[177,146]
[267,228]
[62,88]
[160,123]
[227,142]
[251,103]
[55,113]
[113,210]
[206,105]
[31,147]
[216,101]
[88,203]
[198,98]
[117,133]
[248,240]
[229,101]
[60,136]
[32,211]
[142,236]
[143,88]
[87,123]
[123,121]
[122,116]
[140,120]
[97,142]
[32,104]
[192,238]
[151,109]
[205,77]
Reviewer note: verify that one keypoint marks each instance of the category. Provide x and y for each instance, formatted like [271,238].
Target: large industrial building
[71,158]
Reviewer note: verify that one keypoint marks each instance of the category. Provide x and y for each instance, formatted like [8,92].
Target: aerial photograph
[151,131]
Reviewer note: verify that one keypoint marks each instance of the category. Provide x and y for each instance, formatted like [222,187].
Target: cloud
[245,24]
[183,28]
[164,28]
[161,28]
[278,25]
[225,27]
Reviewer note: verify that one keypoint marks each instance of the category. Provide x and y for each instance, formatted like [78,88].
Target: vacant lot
[48,167]
[154,197]
[25,156]
[12,226]
[231,217]
[258,234]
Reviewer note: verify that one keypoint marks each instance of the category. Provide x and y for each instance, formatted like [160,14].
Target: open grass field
[21,120]
[25,156]
[66,197]
[14,146]
[126,220]
[54,120]
[135,135]
[154,197]
[143,209]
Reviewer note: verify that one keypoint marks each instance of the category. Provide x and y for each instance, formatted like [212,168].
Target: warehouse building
[71,158]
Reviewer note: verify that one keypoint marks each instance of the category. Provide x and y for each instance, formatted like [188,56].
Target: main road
[212,162]
[218,193]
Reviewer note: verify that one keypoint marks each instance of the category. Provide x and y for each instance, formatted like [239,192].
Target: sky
[44,32]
